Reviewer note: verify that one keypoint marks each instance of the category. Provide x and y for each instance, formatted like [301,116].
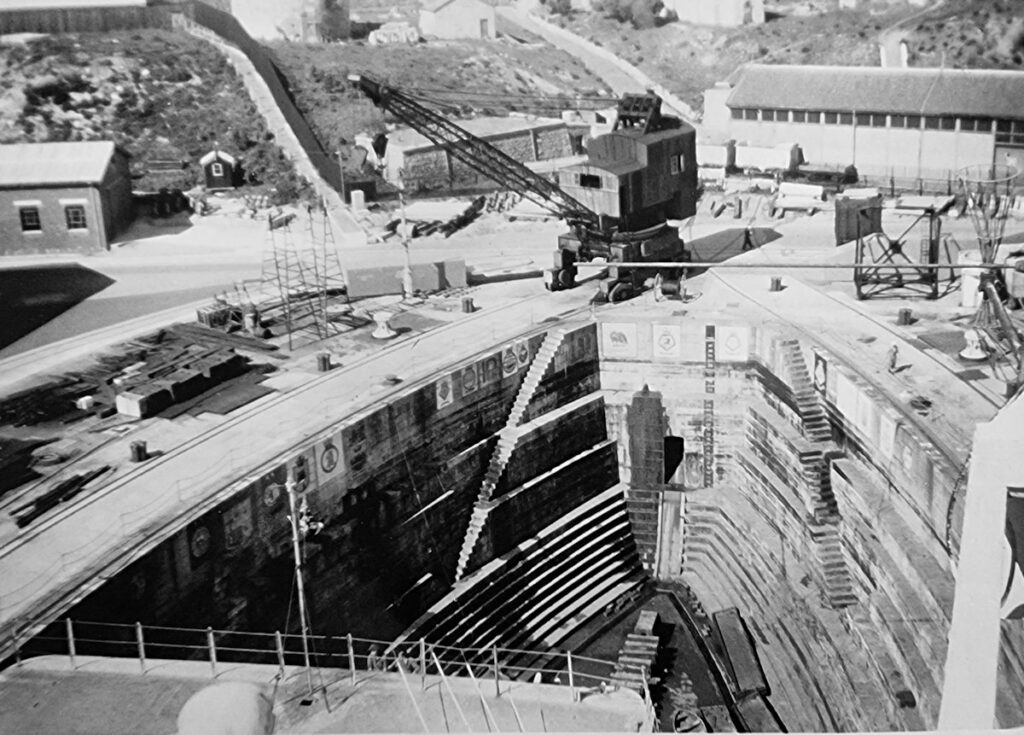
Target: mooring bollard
[776,284]
[905,317]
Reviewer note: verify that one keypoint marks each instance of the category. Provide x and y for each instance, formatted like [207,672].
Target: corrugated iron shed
[955,92]
[54,164]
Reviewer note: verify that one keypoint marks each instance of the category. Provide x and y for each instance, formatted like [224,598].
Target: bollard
[71,641]
[213,652]
[323,362]
[467,305]
[142,646]
[138,451]
[776,284]
[905,317]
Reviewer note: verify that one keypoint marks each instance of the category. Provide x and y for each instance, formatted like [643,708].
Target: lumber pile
[62,492]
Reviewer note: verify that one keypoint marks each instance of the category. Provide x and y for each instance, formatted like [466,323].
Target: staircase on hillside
[502,453]
[824,519]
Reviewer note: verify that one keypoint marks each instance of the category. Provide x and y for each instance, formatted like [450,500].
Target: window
[976,124]
[737,113]
[846,118]
[877,120]
[749,114]
[676,164]
[799,116]
[75,216]
[30,219]
[939,123]
[914,121]
[863,118]
[217,169]
[899,121]
[831,118]
[590,181]
[1010,132]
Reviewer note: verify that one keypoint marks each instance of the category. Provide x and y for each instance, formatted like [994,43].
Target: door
[483,28]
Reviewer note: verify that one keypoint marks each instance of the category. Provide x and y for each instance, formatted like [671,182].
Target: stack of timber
[62,492]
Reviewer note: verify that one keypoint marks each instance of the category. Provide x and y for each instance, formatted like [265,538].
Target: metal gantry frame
[882,265]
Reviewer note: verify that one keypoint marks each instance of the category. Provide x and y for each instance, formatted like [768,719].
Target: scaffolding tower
[302,274]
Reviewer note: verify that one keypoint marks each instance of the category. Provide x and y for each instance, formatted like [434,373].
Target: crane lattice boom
[477,153]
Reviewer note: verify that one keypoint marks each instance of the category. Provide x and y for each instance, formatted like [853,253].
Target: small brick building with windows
[63,197]
[923,123]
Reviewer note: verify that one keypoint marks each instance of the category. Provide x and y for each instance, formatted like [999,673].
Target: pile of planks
[424,228]
[62,492]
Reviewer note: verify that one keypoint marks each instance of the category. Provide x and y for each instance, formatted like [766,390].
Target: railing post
[279,645]
[14,640]
[423,664]
[497,681]
[572,681]
[351,657]
[142,646]
[71,641]
[211,645]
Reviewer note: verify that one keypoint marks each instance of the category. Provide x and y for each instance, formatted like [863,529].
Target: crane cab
[641,173]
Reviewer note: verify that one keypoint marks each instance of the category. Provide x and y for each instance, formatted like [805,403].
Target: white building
[718,12]
[886,121]
[457,19]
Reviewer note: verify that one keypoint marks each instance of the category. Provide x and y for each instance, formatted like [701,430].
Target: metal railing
[76,639]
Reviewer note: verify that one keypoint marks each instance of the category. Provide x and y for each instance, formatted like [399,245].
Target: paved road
[891,37]
[613,74]
[60,560]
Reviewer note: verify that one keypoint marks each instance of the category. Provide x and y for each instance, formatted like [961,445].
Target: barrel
[138,451]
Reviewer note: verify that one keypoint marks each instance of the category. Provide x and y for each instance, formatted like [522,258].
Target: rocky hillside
[970,34]
[688,58]
[162,96]
[473,76]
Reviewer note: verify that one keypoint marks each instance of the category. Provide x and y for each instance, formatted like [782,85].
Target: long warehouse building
[917,123]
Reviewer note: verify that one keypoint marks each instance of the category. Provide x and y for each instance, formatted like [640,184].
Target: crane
[616,204]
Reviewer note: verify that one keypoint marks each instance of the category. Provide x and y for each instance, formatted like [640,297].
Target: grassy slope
[158,94]
[338,113]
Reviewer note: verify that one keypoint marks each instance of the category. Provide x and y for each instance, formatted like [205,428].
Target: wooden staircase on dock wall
[824,519]
[502,453]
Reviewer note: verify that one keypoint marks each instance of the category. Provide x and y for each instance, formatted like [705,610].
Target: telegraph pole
[297,550]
